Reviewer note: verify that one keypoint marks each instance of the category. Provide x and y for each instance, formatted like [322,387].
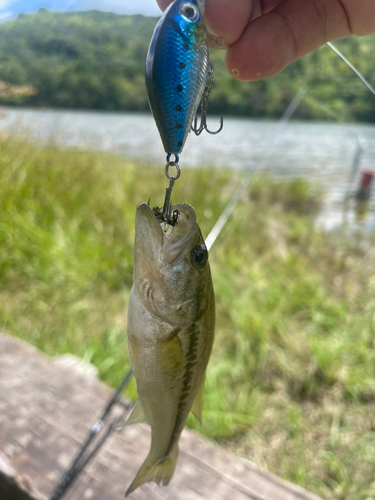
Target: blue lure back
[176,71]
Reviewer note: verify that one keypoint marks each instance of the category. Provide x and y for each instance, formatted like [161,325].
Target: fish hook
[204,107]
[167,207]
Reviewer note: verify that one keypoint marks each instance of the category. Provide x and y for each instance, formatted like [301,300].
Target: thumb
[163,4]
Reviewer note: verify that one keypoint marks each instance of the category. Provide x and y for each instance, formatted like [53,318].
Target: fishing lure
[177,68]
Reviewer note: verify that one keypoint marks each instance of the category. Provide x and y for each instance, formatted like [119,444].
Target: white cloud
[4,16]
[147,7]
[11,8]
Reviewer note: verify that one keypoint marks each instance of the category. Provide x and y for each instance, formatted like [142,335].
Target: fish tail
[159,471]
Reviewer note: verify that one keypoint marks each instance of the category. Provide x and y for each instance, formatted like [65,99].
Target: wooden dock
[46,411]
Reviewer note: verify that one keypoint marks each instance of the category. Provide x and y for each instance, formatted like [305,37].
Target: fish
[177,67]
[170,333]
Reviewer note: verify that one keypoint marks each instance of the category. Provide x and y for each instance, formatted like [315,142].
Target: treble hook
[204,107]
[167,207]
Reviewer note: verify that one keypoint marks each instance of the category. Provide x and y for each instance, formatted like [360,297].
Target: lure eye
[190,12]
[199,256]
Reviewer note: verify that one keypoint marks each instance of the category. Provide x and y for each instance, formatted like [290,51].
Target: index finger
[226,19]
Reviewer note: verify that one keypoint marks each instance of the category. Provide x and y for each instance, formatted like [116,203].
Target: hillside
[95,60]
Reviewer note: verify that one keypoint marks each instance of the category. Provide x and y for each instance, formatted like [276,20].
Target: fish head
[171,270]
[188,16]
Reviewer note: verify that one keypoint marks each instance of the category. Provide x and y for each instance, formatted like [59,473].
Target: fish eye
[199,256]
[190,12]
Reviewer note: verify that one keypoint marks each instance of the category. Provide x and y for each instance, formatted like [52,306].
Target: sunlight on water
[322,152]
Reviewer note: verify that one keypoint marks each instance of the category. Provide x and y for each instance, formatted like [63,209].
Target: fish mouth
[149,238]
[183,235]
[162,244]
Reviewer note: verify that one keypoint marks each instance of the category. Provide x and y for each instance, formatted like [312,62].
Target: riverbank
[290,383]
[95,60]
[322,152]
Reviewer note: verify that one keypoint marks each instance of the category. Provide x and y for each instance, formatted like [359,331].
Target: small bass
[171,320]
[177,68]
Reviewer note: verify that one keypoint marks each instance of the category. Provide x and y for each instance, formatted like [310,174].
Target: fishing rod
[264,162]
[81,461]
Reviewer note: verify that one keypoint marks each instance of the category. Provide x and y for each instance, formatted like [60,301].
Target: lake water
[322,152]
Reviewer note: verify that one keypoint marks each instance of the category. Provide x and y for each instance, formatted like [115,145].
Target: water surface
[321,152]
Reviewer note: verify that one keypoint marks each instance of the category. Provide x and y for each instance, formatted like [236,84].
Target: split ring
[173,164]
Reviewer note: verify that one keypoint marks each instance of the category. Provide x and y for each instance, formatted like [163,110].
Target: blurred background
[291,381]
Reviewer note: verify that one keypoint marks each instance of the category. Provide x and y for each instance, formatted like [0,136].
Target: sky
[9,9]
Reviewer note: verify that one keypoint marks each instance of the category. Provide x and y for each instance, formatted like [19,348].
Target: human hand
[264,36]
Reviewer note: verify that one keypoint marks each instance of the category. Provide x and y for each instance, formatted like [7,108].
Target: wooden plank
[46,411]
[13,486]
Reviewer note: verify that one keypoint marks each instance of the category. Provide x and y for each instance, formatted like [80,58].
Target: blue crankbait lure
[177,69]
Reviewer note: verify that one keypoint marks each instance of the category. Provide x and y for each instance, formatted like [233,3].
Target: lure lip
[202,3]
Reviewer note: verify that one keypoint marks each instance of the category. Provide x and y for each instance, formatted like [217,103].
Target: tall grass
[291,380]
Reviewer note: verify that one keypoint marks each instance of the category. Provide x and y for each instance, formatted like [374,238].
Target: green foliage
[81,60]
[290,383]
[95,60]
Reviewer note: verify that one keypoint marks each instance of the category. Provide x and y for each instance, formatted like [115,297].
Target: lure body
[176,71]
[171,321]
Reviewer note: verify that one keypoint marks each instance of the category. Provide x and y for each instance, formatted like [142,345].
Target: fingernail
[215,41]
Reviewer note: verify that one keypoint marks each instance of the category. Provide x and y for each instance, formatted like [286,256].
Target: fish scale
[176,72]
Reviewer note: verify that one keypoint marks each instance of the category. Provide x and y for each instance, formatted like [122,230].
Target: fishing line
[263,164]
[356,71]
[228,210]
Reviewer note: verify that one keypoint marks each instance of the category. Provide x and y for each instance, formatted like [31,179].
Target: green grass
[291,380]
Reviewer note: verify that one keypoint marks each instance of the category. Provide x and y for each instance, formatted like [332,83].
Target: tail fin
[160,472]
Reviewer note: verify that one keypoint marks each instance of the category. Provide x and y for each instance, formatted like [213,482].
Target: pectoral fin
[136,416]
[196,409]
